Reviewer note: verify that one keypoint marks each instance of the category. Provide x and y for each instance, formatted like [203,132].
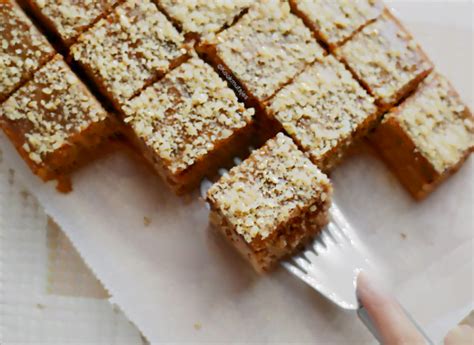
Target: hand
[391,321]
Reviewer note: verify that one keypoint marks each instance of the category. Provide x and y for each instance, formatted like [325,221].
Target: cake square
[264,50]
[54,122]
[324,110]
[67,19]
[428,137]
[203,17]
[188,124]
[386,60]
[23,49]
[271,204]
[128,50]
[335,21]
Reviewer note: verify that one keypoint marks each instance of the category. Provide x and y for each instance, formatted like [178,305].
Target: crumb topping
[438,122]
[50,108]
[183,116]
[70,17]
[264,191]
[129,47]
[385,57]
[337,20]
[203,16]
[322,106]
[22,47]
[267,47]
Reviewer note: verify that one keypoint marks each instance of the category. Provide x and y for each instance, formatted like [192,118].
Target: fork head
[332,262]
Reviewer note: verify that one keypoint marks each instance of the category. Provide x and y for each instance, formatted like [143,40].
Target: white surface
[175,275]
[43,300]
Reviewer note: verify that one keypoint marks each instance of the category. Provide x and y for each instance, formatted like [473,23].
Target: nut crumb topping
[267,47]
[384,57]
[263,192]
[71,17]
[51,108]
[322,107]
[22,48]
[183,116]
[337,20]
[438,122]
[204,17]
[129,47]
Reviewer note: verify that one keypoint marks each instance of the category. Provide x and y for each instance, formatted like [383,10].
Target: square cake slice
[67,19]
[126,51]
[23,49]
[385,60]
[189,123]
[271,204]
[324,110]
[335,21]
[426,138]
[263,50]
[54,121]
[203,17]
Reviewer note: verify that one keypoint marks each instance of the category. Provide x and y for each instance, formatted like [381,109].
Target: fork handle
[369,323]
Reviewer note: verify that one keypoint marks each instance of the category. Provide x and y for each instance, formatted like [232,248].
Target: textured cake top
[267,47]
[385,57]
[22,48]
[270,187]
[71,17]
[185,114]
[203,16]
[50,108]
[129,47]
[440,125]
[322,106]
[337,20]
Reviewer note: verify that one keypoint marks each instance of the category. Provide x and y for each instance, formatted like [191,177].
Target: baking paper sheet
[178,281]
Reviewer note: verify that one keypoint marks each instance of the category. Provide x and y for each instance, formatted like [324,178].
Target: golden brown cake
[203,17]
[335,21]
[324,110]
[67,19]
[272,203]
[23,49]
[264,50]
[126,51]
[386,60]
[54,121]
[187,123]
[426,138]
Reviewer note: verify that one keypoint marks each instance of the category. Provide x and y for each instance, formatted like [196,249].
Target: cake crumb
[403,236]
[146,221]
[40,306]
[197,326]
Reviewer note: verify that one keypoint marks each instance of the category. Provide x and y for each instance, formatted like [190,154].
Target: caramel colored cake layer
[272,203]
[54,121]
[324,110]
[428,137]
[334,21]
[203,17]
[67,19]
[188,122]
[22,48]
[263,50]
[386,60]
[129,49]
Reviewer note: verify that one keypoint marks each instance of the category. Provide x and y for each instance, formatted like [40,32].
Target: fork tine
[302,262]
[334,234]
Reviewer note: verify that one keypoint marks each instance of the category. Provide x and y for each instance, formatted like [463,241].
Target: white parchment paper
[178,281]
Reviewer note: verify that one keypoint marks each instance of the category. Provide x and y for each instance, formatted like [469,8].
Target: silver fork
[331,263]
